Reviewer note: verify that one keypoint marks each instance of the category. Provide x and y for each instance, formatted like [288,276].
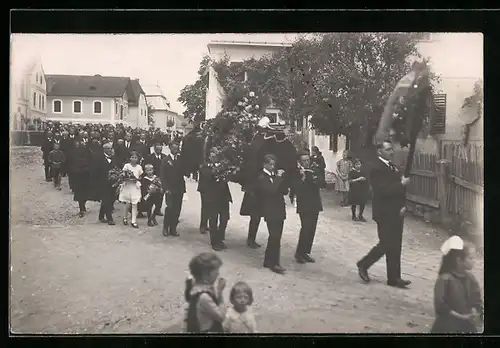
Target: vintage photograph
[246,183]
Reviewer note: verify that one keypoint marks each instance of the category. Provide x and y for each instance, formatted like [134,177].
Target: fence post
[442,183]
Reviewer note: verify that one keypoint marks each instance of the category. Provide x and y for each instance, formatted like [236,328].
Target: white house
[28,92]
[138,108]
[88,99]
[162,114]
[237,51]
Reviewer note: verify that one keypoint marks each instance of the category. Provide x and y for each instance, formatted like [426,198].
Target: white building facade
[28,94]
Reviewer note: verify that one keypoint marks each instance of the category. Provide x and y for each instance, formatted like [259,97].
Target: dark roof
[86,86]
[136,90]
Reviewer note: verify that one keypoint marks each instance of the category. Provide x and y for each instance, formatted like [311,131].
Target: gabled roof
[86,86]
[158,102]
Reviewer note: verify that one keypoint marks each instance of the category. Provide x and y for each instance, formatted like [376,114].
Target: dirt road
[72,275]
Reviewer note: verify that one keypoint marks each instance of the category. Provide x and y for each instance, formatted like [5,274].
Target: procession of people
[109,164]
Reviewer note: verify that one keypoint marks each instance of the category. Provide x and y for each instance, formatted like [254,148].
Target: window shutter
[334,142]
[438,124]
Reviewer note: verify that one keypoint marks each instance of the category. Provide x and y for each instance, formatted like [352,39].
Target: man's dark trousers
[107,201]
[308,223]
[390,234]
[219,217]
[272,256]
[172,211]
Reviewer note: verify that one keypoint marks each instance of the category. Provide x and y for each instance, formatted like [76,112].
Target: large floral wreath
[228,135]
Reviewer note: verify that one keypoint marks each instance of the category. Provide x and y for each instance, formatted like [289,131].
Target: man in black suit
[388,206]
[141,146]
[172,179]
[270,190]
[216,198]
[307,192]
[103,163]
[47,146]
[203,187]
[155,159]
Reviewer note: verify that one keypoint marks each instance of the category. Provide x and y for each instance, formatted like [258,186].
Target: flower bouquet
[154,187]
[114,177]
[127,175]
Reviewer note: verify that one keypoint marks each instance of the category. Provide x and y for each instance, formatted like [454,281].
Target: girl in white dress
[240,318]
[130,192]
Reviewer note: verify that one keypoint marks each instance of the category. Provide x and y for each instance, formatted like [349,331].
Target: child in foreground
[457,294]
[239,318]
[206,311]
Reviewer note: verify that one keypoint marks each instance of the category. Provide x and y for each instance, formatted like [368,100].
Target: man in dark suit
[103,163]
[270,191]
[47,147]
[141,146]
[307,192]
[388,206]
[203,187]
[172,179]
[216,198]
[155,160]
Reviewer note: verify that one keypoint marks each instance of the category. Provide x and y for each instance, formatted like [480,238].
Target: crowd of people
[88,154]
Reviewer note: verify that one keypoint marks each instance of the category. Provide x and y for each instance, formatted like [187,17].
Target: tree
[357,73]
[193,97]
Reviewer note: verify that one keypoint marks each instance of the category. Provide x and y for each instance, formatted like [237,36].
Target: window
[22,91]
[97,107]
[41,79]
[77,107]
[36,78]
[121,112]
[43,103]
[273,117]
[116,108]
[40,102]
[438,119]
[34,99]
[334,139]
[57,106]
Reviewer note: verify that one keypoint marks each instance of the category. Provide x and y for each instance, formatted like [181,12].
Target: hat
[452,243]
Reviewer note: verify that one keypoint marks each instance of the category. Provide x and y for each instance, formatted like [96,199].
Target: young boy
[56,161]
[150,201]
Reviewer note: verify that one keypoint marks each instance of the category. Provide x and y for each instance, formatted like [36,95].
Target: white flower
[251,94]
[248,107]
[256,107]
[240,103]
[415,86]
[245,99]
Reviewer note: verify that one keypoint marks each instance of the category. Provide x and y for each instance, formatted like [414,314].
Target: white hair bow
[454,242]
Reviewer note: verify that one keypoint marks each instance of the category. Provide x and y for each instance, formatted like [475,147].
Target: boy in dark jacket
[56,160]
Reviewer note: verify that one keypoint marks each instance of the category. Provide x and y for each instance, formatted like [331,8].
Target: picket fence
[463,180]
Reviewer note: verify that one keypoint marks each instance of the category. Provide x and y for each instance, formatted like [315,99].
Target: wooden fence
[461,178]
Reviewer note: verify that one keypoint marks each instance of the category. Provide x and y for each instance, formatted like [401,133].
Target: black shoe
[300,259]
[154,221]
[159,214]
[111,223]
[361,218]
[277,269]
[308,258]
[48,179]
[103,220]
[400,283]
[134,225]
[217,247]
[58,188]
[166,232]
[354,218]
[81,214]
[253,245]
[173,232]
[363,274]
[150,223]
[203,230]
[224,246]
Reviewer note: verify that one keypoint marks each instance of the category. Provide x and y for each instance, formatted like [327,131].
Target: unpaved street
[72,275]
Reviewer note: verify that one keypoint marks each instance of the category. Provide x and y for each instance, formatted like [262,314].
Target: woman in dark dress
[318,161]
[358,191]
[80,169]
